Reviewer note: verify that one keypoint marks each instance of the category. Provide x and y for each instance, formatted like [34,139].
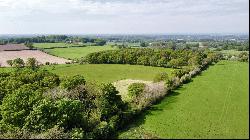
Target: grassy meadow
[51,45]
[108,72]
[104,72]
[214,105]
[232,52]
[76,52]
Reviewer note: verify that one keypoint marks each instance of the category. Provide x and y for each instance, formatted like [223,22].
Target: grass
[214,105]
[104,72]
[77,52]
[232,52]
[50,45]
[108,72]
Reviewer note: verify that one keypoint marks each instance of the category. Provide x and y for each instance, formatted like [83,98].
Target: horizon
[124,17]
[142,34]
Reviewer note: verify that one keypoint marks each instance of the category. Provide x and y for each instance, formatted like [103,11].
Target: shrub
[10,62]
[71,82]
[18,63]
[109,102]
[67,63]
[32,63]
[244,57]
[77,133]
[47,63]
[18,105]
[135,89]
[66,113]
[161,77]
[54,133]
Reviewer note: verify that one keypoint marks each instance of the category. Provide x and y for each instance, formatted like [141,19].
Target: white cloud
[123,15]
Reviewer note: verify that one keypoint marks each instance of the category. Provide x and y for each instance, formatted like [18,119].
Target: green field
[108,72]
[104,72]
[214,105]
[232,52]
[71,52]
[77,52]
[51,45]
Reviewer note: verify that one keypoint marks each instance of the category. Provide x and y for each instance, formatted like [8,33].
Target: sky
[123,16]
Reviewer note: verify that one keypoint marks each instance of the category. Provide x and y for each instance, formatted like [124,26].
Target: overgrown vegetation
[150,57]
[38,104]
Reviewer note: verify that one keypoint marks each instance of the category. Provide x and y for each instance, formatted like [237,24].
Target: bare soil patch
[13,47]
[41,57]
[155,88]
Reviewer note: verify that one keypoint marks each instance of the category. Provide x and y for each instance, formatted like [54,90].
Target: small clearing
[122,86]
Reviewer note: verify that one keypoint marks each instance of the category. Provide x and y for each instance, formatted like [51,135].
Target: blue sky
[123,16]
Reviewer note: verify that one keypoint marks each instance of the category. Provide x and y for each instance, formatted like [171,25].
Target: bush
[18,63]
[71,82]
[161,77]
[47,63]
[135,89]
[66,113]
[77,133]
[32,63]
[9,62]
[244,57]
[54,133]
[18,105]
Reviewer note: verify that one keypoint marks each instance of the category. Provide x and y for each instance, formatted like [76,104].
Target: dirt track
[25,54]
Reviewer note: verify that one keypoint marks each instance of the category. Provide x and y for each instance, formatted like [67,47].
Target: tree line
[54,39]
[149,57]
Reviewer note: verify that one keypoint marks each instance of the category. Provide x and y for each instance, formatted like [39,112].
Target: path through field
[214,105]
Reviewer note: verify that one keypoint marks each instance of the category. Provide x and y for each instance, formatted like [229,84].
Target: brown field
[12,47]
[25,54]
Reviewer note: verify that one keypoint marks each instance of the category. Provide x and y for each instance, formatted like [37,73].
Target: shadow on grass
[166,103]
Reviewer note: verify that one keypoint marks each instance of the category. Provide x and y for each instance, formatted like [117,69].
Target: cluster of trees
[148,57]
[244,57]
[228,45]
[54,39]
[174,44]
[39,104]
[19,63]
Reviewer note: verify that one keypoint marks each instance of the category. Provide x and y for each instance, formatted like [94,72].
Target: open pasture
[77,52]
[108,72]
[214,105]
[52,45]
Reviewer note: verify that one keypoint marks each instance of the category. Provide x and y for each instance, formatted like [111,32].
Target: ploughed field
[13,51]
[12,47]
[214,105]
